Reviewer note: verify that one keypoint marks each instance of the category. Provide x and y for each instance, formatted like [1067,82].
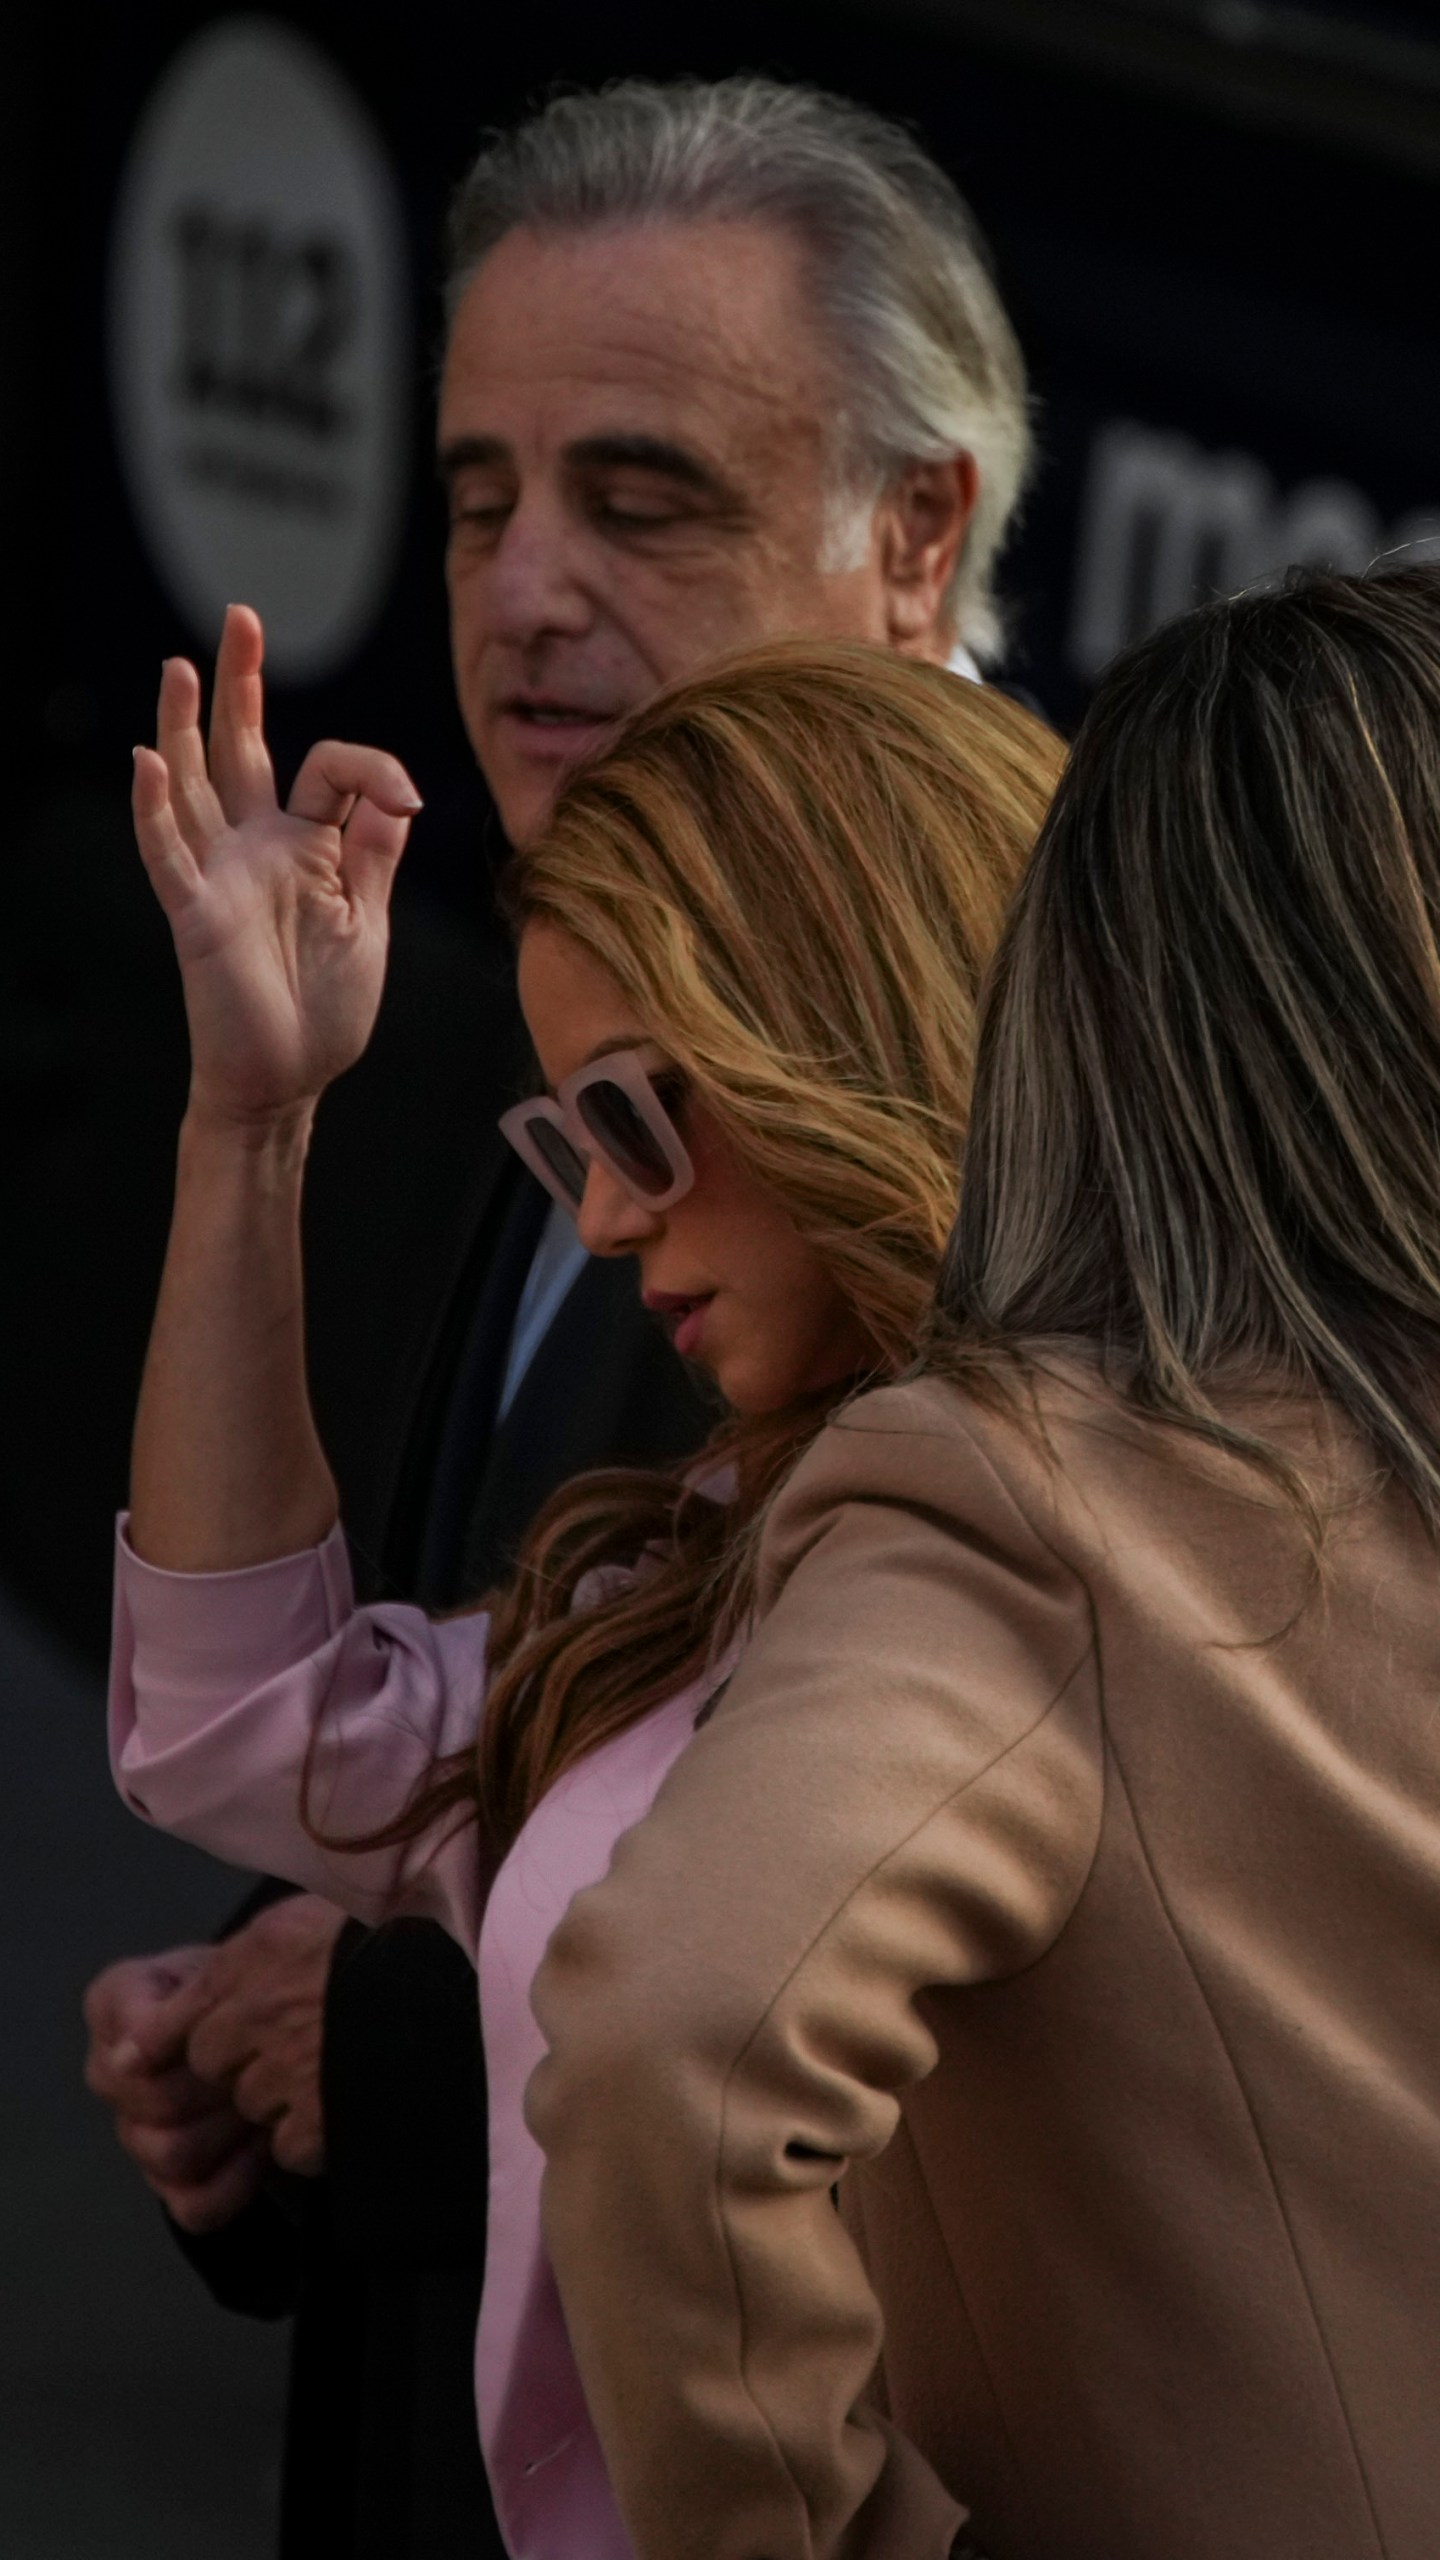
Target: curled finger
[264,2090]
[335,776]
[149,2094]
[298,2144]
[183,2155]
[210,2204]
[220,2045]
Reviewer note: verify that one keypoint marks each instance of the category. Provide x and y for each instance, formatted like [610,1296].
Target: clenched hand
[191,2146]
[210,2059]
[257,2021]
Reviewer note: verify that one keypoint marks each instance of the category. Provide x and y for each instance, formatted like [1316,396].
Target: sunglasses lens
[628,1140]
[565,1162]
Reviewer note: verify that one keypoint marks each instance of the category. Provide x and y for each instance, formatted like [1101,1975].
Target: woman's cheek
[759,1365]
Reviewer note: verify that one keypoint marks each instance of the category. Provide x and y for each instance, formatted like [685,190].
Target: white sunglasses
[609,1110]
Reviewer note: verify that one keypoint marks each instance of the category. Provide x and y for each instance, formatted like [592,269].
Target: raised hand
[280,917]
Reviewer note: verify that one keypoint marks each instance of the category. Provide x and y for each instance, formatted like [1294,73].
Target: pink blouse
[221,1685]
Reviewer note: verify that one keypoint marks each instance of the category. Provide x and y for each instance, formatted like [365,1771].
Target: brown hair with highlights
[1205,1140]
[796,869]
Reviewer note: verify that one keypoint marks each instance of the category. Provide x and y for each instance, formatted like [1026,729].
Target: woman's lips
[689,1330]
[684,1317]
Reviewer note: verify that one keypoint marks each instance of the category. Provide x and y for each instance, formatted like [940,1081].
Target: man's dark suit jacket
[381,2259]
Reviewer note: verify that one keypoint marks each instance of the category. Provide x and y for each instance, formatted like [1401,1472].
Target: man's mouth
[560,718]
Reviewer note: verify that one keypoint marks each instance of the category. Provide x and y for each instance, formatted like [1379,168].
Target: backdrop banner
[1232,361]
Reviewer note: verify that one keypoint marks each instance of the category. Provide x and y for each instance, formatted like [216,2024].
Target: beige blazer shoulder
[1040,1880]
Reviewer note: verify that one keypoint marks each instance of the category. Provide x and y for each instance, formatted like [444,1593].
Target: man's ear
[923,520]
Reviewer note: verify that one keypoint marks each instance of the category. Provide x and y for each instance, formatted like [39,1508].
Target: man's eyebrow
[648,453]
[464,453]
[618,452]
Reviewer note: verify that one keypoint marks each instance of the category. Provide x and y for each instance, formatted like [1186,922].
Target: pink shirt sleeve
[222,1683]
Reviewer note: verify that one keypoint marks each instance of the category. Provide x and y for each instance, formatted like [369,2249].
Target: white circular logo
[259,346]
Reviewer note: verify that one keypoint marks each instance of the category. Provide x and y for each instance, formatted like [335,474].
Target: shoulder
[1068,1485]
[930,1453]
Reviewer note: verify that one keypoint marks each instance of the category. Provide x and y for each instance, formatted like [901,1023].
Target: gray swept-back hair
[929,363]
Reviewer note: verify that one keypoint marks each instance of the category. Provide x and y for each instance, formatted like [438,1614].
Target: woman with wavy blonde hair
[751,943]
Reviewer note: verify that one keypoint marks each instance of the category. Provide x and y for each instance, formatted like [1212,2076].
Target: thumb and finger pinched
[183,801]
[370,797]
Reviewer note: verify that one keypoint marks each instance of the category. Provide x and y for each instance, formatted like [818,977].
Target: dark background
[1223,233]
[1215,227]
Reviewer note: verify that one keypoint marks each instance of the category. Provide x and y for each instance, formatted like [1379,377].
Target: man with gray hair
[762,321]
[724,363]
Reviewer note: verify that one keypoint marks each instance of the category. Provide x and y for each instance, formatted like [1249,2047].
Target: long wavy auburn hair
[1205,1139]
[795,868]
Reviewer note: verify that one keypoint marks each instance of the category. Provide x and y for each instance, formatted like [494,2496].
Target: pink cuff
[210,1633]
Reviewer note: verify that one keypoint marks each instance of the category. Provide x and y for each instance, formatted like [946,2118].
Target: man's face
[633,431]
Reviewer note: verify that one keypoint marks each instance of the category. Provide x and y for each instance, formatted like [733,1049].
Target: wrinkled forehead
[701,332]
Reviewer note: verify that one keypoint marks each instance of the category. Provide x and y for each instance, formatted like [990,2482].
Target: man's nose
[535,585]
[609,1219]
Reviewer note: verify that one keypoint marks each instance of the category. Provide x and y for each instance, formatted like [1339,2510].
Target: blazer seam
[860,1886]
[993,1469]
[1261,2146]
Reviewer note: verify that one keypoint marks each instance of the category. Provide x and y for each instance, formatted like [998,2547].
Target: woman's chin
[751,1392]
[744,1392]
[752,1388]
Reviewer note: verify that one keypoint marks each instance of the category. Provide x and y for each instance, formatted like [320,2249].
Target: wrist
[281,1130]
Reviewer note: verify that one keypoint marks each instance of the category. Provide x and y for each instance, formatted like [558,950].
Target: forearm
[227,1466]
[260,1714]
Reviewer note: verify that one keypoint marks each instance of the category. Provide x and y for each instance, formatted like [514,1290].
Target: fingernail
[126,2054]
[413,802]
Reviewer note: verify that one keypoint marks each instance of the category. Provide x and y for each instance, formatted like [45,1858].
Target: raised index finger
[240,765]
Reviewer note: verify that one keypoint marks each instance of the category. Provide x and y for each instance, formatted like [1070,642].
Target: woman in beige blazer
[1057,1885]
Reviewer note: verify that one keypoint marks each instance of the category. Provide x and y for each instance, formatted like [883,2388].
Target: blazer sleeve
[900,1789]
[241,1703]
